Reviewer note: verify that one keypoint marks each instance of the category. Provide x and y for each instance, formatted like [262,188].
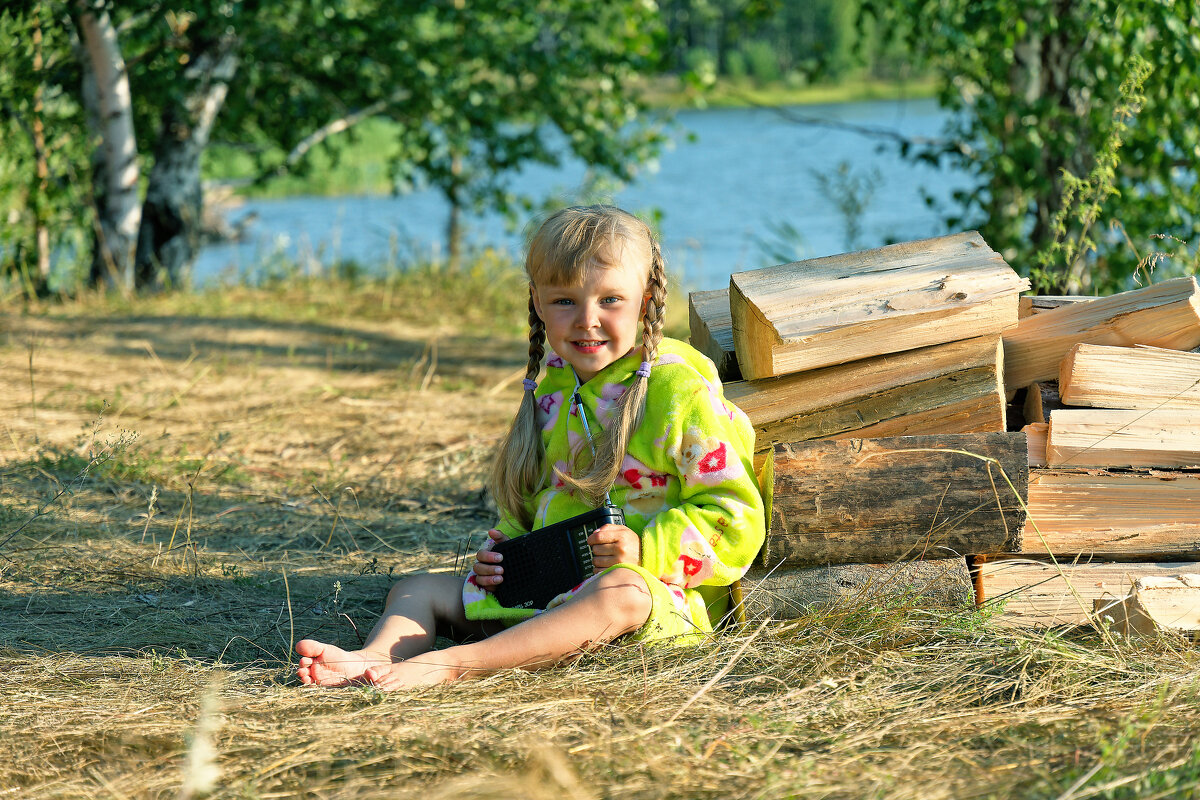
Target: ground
[188,485]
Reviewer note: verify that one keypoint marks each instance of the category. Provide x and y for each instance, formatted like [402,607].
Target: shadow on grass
[290,343]
[235,579]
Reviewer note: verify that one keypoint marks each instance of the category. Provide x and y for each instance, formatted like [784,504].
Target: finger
[488,569]
[496,536]
[604,535]
[488,557]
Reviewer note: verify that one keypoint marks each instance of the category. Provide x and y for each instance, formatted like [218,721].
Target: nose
[588,316]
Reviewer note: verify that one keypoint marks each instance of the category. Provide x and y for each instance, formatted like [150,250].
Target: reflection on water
[740,196]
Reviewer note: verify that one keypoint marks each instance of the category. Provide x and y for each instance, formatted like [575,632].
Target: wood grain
[1143,377]
[1096,512]
[1040,594]
[903,498]
[1165,314]
[833,310]
[712,330]
[950,388]
[1087,437]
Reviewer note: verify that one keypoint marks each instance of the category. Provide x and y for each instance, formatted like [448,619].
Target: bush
[763,62]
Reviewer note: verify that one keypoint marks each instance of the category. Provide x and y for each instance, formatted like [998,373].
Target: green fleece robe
[687,484]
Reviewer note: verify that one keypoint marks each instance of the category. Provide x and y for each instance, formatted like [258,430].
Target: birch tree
[115,165]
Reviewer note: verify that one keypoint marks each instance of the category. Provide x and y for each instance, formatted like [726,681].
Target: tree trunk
[169,235]
[115,171]
[454,228]
[42,170]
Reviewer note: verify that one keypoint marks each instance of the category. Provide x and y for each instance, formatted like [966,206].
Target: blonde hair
[565,246]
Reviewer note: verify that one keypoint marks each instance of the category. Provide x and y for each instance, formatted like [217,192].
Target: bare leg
[415,608]
[617,602]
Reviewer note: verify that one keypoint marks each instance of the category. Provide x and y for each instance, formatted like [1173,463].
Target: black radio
[544,563]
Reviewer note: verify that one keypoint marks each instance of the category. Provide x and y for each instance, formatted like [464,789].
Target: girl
[674,453]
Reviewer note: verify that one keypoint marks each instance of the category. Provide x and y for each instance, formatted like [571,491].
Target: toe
[310,648]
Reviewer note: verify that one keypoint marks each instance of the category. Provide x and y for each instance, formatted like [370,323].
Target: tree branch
[873,131]
[329,129]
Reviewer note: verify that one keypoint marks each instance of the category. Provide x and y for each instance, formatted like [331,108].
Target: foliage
[1083,198]
[1033,85]
[475,90]
[851,193]
[773,39]
[62,205]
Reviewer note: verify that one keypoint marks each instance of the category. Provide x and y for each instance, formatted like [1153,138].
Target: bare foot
[327,665]
[412,673]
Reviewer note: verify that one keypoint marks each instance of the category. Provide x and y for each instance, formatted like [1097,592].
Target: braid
[537,341]
[656,309]
[519,467]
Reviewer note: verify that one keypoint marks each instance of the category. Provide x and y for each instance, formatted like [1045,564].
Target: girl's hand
[612,545]
[487,569]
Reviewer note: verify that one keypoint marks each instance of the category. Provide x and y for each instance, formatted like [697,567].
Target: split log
[1036,304]
[949,388]
[1165,437]
[842,308]
[1077,512]
[790,592]
[1041,594]
[1166,314]
[712,330]
[1041,399]
[1130,377]
[1158,603]
[1032,409]
[905,498]
[1035,435]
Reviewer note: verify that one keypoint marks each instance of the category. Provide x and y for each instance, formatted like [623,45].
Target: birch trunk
[115,170]
[169,235]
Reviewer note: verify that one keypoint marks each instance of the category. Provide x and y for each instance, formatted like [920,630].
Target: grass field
[190,483]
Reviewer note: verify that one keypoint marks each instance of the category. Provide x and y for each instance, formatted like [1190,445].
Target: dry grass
[288,464]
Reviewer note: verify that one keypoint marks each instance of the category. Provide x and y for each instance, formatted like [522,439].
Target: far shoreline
[669,93]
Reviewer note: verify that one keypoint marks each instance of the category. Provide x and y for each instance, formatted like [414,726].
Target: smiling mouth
[597,343]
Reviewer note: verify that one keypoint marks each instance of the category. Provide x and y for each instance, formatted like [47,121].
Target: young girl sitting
[674,453]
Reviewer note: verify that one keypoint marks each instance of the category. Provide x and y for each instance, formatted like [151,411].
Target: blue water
[730,179]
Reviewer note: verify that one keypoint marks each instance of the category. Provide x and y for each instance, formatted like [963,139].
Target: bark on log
[790,592]
[906,498]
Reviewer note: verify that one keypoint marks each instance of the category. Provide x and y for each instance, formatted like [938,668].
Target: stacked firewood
[1113,413]
[929,344]
[896,341]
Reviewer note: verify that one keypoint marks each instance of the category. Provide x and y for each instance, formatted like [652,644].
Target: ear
[537,301]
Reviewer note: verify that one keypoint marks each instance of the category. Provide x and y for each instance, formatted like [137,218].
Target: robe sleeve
[712,535]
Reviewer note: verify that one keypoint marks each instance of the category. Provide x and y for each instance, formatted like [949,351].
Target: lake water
[725,188]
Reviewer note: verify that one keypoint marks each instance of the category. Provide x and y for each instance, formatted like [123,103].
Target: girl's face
[592,325]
